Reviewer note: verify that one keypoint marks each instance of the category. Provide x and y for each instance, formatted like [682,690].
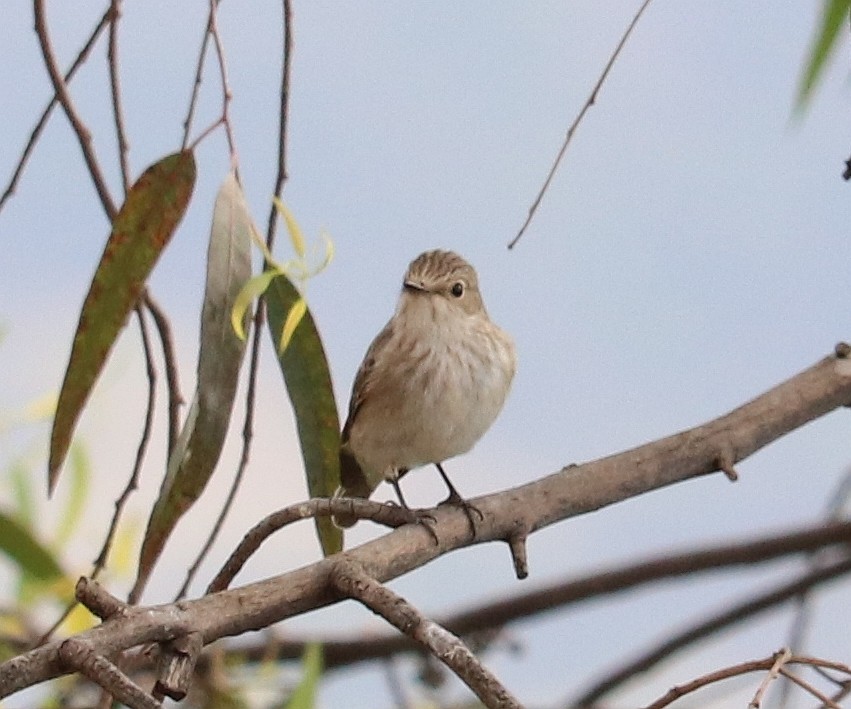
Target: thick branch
[569,492]
[352,582]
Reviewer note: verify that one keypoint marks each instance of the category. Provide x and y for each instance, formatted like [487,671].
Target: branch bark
[569,492]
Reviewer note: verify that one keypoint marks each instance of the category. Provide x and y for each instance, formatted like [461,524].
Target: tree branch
[83,134]
[351,581]
[45,114]
[569,492]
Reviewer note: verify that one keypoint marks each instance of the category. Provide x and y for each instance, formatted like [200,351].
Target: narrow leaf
[304,696]
[297,311]
[142,228]
[835,14]
[220,356]
[296,235]
[253,289]
[308,380]
[34,559]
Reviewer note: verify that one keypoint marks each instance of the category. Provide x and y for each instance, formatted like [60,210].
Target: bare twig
[353,582]
[132,483]
[259,315]
[226,91]
[709,626]
[680,691]
[573,126]
[199,70]
[175,398]
[115,89]
[45,114]
[826,702]
[389,515]
[781,657]
[83,134]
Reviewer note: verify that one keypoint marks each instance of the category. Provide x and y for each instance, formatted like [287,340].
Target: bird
[431,383]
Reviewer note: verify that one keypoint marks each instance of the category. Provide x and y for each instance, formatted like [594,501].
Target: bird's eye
[458,289]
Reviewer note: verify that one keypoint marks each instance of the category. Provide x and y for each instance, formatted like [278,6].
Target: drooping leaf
[253,289]
[835,14]
[142,228]
[308,381]
[294,316]
[19,544]
[200,443]
[294,230]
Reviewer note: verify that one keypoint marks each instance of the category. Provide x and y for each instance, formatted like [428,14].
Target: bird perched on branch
[431,383]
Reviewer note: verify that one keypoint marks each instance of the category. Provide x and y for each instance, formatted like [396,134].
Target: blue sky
[692,252]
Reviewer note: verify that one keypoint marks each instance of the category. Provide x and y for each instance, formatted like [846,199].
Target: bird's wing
[364,379]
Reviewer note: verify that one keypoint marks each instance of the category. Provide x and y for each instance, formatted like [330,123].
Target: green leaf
[304,696]
[308,380]
[200,443]
[34,559]
[834,14]
[142,228]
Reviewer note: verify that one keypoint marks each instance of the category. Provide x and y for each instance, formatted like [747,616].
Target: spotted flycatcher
[431,383]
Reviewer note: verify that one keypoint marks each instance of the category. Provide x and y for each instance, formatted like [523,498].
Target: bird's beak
[413,285]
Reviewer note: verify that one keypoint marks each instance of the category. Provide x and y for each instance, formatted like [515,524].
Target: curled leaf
[254,287]
[296,235]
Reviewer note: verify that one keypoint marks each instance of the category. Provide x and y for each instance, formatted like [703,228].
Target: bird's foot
[418,516]
[456,500]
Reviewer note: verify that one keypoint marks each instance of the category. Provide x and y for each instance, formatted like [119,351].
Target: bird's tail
[353,483]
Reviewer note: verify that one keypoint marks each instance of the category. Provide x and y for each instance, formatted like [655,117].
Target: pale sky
[692,253]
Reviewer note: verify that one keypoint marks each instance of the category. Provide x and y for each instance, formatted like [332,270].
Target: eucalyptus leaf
[201,440]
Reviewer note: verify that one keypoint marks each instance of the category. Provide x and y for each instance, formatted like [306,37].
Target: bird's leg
[417,516]
[458,501]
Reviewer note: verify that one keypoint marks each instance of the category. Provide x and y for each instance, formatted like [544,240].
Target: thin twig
[826,702]
[709,626]
[781,657]
[680,691]
[196,86]
[42,121]
[132,483]
[115,89]
[226,91]
[259,315]
[175,398]
[83,134]
[570,131]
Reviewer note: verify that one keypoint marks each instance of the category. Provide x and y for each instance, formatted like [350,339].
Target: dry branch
[569,492]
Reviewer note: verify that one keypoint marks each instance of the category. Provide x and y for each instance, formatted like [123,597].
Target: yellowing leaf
[296,235]
[297,311]
[254,287]
[141,230]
